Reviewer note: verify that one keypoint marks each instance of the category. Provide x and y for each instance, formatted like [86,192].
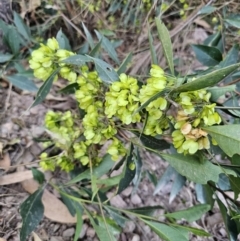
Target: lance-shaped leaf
[22,28]
[22,82]
[217,91]
[208,80]
[44,89]
[31,211]
[167,233]
[102,229]
[165,39]
[194,169]
[230,224]
[152,49]
[88,36]
[233,20]
[63,40]
[227,137]
[204,194]
[77,59]
[152,142]
[146,210]
[123,67]
[5,57]
[105,71]
[208,56]
[128,173]
[178,183]
[191,214]
[107,45]
[165,179]
[95,51]
[231,57]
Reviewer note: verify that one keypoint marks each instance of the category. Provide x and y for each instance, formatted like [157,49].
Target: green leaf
[105,71]
[165,39]
[232,102]
[31,211]
[4,27]
[116,216]
[13,40]
[223,182]
[84,49]
[194,169]
[129,172]
[227,137]
[111,225]
[235,185]
[123,67]
[89,36]
[103,234]
[70,89]
[204,194]
[233,20]
[138,164]
[77,59]
[110,181]
[152,142]
[217,92]
[69,197]
[196,231]
[63,40]
[38,176]
[79,225]
[152,49]
[22,82]
[166,178]
[94,51]
[44,89]
[207,80]
[230,224]
[107,45]
[69,203]
[208,56]
[213,40]
[231,57]
[146,210]
[178,183]
[22,28]
[105,165]
[5,57]
[191,214]
[207,10]
[165,232]
[107,32]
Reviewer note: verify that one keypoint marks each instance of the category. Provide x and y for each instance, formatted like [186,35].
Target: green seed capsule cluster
[194,113]
[108,109]
[47,58]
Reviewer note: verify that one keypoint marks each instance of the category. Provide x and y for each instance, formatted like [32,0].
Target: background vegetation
[99,41]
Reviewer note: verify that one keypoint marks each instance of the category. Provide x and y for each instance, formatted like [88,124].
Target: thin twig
[146,58]
[8,97]
[73,25]
[237,203]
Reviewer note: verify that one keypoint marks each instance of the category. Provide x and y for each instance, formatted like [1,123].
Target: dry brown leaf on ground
[5,162]
[15,177]
[29,7]
[203,24]
[54,209]
[36,237]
